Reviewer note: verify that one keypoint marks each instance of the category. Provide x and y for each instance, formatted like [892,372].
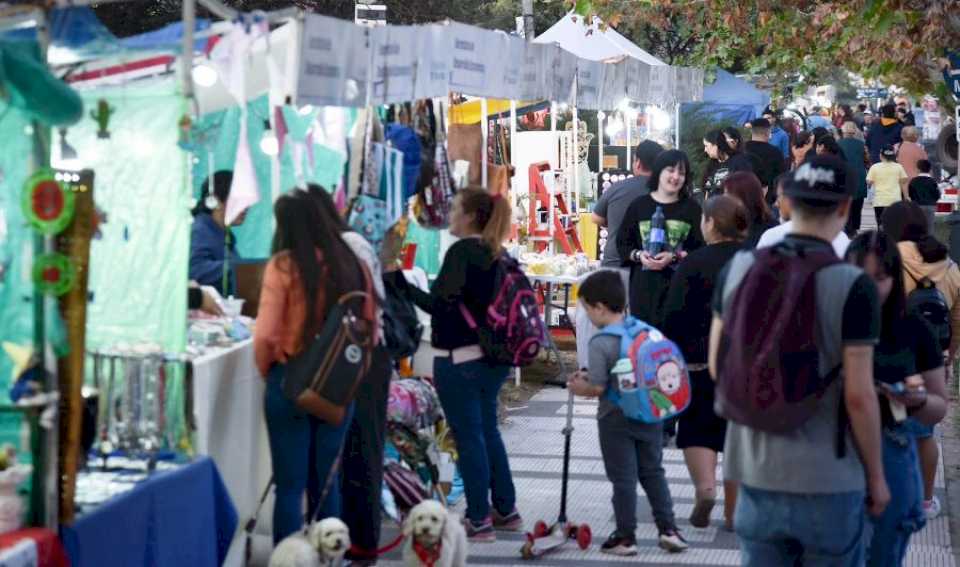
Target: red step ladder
[540,197]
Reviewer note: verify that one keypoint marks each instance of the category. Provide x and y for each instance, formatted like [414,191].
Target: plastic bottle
[657,241]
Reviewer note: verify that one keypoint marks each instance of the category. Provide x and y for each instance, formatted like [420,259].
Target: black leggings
[878,211]
[855,218]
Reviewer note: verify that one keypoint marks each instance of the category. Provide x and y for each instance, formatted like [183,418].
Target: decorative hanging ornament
[102,116]
[47,203]
[54,274]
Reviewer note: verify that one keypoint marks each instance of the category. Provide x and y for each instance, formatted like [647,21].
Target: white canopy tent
[592,42]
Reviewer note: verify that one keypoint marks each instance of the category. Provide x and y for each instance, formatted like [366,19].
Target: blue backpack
[653,381]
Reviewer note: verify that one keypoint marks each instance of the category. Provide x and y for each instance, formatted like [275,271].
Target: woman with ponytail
[467,383]
[925,258]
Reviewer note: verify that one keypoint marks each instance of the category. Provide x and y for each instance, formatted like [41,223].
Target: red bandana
[428,555]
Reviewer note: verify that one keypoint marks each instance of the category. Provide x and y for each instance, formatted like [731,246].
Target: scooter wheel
[527,550]
[541,529]
[584,536]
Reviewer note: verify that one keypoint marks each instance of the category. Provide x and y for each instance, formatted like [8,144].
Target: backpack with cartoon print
[653,384]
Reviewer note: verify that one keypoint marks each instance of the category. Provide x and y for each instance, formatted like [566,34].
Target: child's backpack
[929,303]
[768,365]
[514,331]
[652,378]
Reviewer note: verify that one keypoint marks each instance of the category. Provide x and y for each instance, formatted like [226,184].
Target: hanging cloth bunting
[46,203]
[391,185]
[231,56]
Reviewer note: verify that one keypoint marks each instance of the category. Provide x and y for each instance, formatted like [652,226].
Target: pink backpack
[514,331]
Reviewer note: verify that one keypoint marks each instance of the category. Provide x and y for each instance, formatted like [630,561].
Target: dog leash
[252,524]
[366,554]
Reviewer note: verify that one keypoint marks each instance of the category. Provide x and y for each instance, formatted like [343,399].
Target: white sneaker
[932,508]
[672,541]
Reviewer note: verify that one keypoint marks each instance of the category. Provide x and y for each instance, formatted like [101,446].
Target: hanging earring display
[47,204]
[54,274]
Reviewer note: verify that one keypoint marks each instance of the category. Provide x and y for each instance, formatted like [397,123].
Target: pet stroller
[419,440]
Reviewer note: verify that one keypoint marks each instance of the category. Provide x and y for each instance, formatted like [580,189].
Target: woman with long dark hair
[650,273]
[746,188]
[213,250]
[908,368]
[469,384]
[311,267]
[726,159]
[687,314]
[362,462]
[926,259]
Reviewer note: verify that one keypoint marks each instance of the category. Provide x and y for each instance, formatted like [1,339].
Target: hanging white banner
[589,83]
[394,60]
[638,80]
[533,75]
[477,67]
[334,63]
[661,80]
[433,62]
[513,54]
[561,74]
[614,85]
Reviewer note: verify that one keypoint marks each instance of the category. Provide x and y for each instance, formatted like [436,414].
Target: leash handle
[252,524]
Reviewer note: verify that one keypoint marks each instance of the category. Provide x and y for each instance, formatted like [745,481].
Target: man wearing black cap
[791,479]
[767,160]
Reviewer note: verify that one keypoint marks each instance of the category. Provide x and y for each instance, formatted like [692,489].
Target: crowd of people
[863,455]
[866,449]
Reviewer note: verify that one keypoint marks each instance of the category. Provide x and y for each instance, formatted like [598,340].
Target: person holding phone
[909,372]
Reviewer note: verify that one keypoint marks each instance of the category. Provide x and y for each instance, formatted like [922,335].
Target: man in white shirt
[776,234]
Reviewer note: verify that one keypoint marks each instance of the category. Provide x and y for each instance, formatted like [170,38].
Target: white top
[776,235]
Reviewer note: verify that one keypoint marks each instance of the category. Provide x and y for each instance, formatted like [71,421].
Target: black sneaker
[620,544]
[672,541]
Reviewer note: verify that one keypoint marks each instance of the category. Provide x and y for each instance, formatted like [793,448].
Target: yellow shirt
[885,178]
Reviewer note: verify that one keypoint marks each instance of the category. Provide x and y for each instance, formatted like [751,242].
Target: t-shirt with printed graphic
[648,288]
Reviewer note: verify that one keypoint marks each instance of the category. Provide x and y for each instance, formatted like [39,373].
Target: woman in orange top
[311,263]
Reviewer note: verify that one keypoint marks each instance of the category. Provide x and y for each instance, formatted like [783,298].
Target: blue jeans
[289,429]
[904,515]
[917,429]
[813,530]
[468,393]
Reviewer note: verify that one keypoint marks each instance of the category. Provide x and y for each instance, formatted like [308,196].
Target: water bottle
[657,241]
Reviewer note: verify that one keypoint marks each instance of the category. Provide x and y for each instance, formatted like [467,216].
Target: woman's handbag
[323,379]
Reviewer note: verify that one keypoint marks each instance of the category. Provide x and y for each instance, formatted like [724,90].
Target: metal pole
[676,124]
[629,126]
[575,166]
[600,117]
[186,55]
[529,29]
[486,135]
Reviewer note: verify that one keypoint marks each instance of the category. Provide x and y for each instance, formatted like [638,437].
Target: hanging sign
[394,53]
[334,63]
[476,67]
[533,81]
[433,62]
[513,50]
[53,274]
[638,80]
[561,74]
[47,203]
[661,82]
[614,85]
[589,83]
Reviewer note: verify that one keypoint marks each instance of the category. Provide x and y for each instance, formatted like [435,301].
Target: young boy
[631,449]
[925,191]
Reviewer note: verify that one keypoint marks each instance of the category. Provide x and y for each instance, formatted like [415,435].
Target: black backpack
[401,326]
[928,302]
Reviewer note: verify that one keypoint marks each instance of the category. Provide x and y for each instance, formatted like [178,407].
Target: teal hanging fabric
[29,86]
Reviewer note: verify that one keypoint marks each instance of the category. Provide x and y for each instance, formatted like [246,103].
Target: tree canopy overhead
[790,41]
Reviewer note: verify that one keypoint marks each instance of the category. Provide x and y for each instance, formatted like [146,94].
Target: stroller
[420,439]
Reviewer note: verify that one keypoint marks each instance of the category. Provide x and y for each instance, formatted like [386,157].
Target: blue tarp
[79,29]
[731,99]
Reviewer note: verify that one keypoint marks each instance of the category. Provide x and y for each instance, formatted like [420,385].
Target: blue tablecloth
[180,518]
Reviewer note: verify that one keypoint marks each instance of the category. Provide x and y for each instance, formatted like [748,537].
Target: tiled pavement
[535,444]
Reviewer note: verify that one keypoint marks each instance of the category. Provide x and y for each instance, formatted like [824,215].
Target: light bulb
[614,128]
[659,118]
[205,75]
[624,105]
[269,143]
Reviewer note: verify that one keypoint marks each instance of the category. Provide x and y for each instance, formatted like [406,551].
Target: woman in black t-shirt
[687,314]
[727,159]
[650,274]
[908,370]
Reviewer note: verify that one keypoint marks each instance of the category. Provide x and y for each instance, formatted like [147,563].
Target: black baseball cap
[821,177]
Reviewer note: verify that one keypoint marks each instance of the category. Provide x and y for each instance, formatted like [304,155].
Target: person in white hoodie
[926,258]
[776,234]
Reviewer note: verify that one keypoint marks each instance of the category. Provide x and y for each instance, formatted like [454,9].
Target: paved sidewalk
[535,444]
